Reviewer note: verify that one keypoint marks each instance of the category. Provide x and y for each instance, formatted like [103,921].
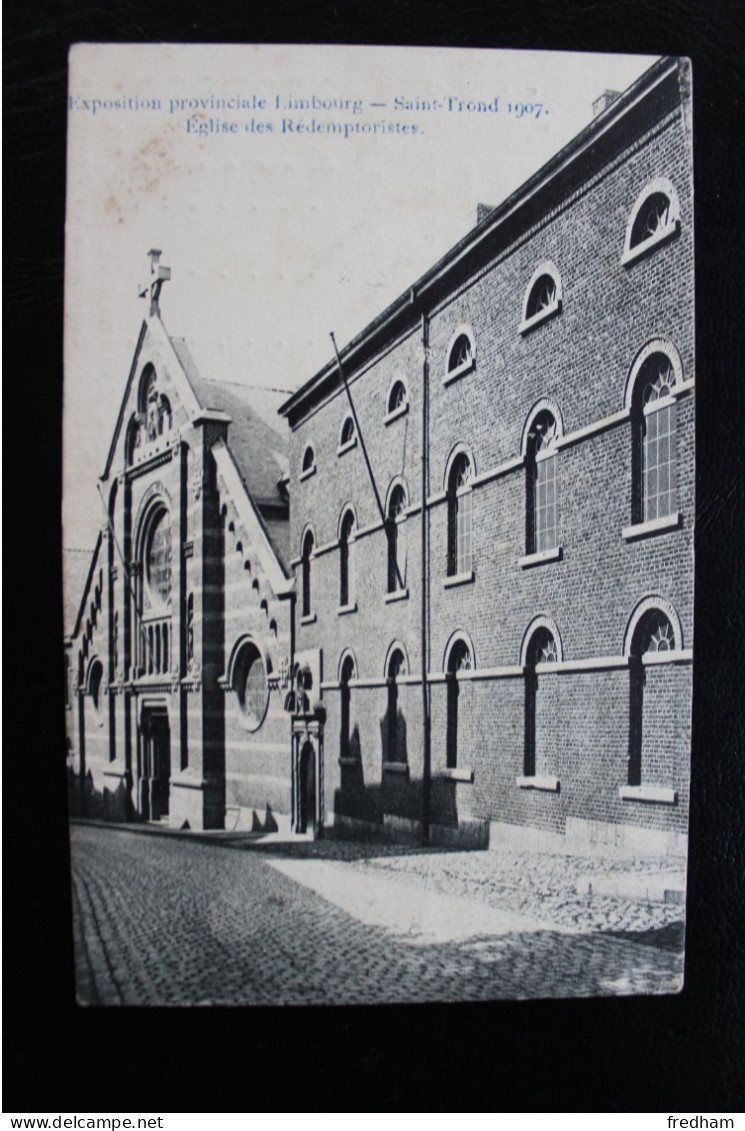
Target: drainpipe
[426,734]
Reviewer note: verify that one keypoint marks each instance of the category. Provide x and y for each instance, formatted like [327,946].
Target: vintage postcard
[378,523]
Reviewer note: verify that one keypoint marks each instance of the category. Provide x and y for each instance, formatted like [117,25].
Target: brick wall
[580,359]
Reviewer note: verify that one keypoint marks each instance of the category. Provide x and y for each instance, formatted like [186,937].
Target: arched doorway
[307,790]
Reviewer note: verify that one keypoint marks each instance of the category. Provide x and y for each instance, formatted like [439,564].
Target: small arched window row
[347,436]
[461,354]
[654,219]
[543,297]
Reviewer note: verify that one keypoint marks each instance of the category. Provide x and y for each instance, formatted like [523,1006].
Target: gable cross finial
[158,276]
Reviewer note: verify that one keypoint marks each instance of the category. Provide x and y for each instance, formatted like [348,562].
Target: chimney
[603,102]
[482,211]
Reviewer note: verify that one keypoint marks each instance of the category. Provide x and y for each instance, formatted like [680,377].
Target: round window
[250,685]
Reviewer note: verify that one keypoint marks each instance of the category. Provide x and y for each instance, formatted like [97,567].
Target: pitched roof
[257,440]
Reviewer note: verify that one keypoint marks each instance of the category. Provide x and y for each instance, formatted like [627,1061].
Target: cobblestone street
[164,920]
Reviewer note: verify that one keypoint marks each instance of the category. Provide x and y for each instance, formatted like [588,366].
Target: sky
[277,228]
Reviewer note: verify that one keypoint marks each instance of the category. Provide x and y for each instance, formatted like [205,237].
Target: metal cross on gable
[158,276]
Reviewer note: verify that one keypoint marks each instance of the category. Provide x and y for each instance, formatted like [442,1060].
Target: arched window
[152,605]
[460,354]
[347,437]
[539,722]
[95,682]
[649,713]
[459,660]
[654,219]
[308,544]
[165,416]
[397,398]
[395,720]
[396,540]
[654,215]
[158,558]
[460,495]
[543,297]
[542,484]
[347,526]
[250,686]
[654,415]
[308,465]
[153,406]
[346,674]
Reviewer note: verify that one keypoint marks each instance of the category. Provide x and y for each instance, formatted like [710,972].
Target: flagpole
[358,433]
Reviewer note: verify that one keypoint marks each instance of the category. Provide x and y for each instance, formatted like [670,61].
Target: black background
[683,1053]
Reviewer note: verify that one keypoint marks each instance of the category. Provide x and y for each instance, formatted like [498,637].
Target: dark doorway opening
[156,764]
[307,798]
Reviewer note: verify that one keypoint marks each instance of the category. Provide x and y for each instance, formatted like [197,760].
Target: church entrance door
[156,763]
[307,798]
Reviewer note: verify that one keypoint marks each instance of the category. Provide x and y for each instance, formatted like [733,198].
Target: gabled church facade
[183,634]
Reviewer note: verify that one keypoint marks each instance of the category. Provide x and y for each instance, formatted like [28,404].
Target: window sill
[307,473]
[456,773]
[395,767]
[349,762]
[641,249]
[459,371]
[541,556]
[458,579]
[396,413]
[654,526]
[343,610]
[398,595]
[309,618]
[657,794]
[347,447]
[539,781]
[542,316]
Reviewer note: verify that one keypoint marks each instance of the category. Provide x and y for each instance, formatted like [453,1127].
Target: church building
[492,510]
[181,642]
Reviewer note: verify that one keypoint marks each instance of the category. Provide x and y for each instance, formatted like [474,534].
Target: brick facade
[567,730]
